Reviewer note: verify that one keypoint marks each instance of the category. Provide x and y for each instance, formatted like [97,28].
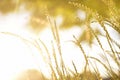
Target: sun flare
[16,54]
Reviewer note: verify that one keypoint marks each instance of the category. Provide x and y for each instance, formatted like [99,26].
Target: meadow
[96,48]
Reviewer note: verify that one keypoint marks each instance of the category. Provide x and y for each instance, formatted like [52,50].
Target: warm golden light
[16,54]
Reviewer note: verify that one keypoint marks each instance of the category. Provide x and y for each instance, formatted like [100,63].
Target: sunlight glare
[17,55]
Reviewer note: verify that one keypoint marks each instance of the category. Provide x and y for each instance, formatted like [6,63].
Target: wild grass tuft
[59,71]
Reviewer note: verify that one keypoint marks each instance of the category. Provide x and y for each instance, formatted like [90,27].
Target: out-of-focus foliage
[40,8]
[7,6]
[87,36]
[101,11]
[31,74]
[108,9]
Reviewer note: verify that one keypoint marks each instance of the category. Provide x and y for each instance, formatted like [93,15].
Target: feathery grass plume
[60,71]
[95,68]
[99,44]
[83,52]
[56,45]
[113,13]
[47,59]
[113,21]
[110,44]
[76,72]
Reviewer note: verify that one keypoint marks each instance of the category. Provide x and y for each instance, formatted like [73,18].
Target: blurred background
[35,12]
[30,20]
